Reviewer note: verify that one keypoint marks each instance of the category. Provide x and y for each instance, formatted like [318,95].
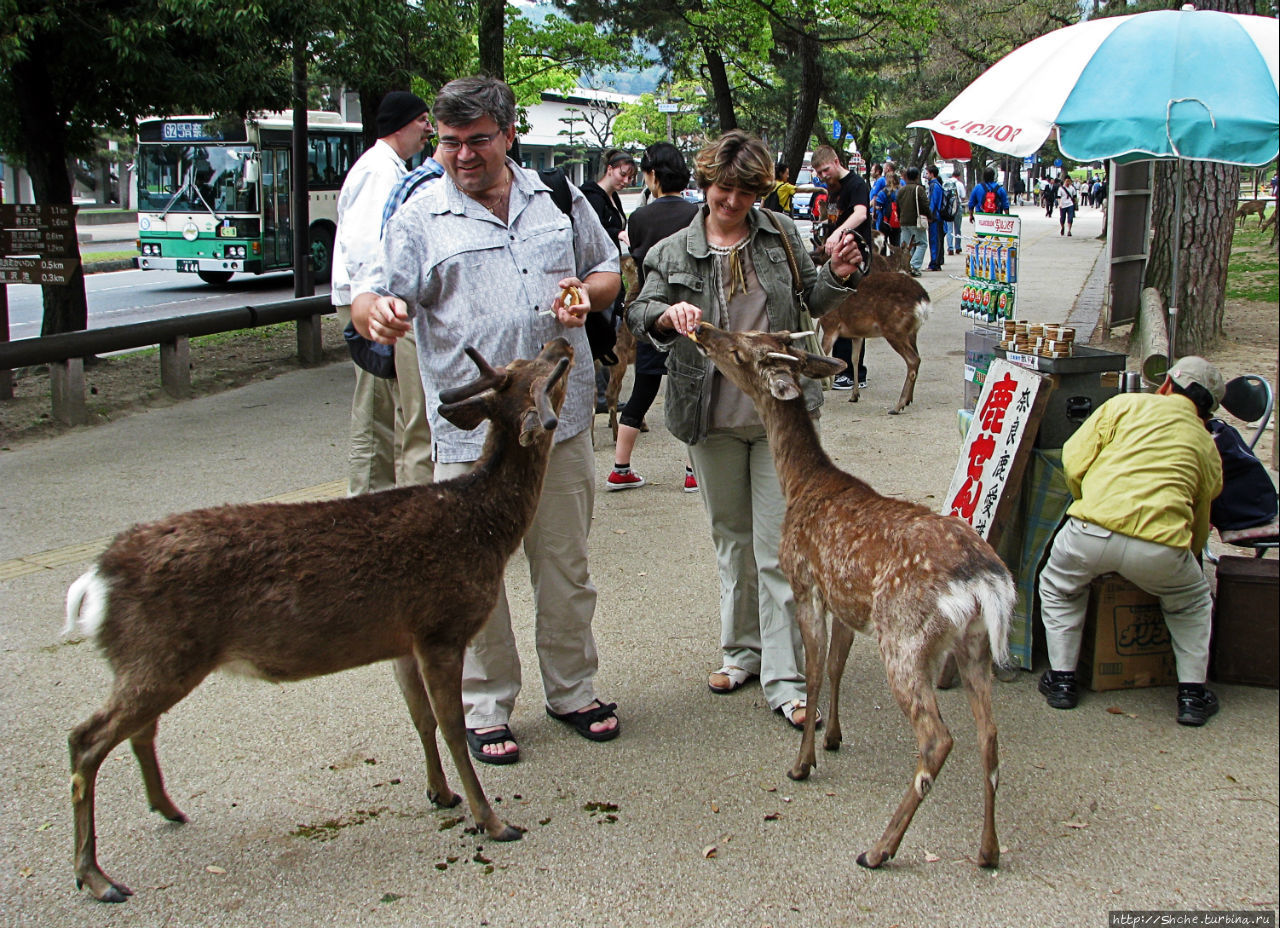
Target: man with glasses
[481,258]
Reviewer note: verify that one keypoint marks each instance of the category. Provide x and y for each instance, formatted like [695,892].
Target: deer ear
[782,385]
[467,414]
[818,366]
[532,426]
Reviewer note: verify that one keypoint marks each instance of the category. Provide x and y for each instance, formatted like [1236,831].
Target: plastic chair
[1249,397]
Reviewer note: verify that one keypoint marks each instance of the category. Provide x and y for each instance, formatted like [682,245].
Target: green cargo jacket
[678,269]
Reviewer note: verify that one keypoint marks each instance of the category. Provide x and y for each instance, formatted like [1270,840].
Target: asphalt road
[123,297]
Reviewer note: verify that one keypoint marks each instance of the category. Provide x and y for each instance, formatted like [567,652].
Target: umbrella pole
[1176,239]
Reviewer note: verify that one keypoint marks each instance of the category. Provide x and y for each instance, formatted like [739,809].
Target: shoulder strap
[556,179]
[786,246]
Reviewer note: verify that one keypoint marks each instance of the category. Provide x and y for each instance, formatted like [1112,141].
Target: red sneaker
[628,481]
[690,482]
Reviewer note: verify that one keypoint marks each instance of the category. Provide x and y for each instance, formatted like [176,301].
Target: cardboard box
[1246,622]
[1126,643]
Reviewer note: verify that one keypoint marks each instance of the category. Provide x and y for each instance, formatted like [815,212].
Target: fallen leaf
[709,851]
[212,869]
[1076,824]
[931,858]
[1115,710]
[1038,766]
[1231,779]
[45,827]
[619,531]
[1093,805]
[772,817]
[1004,849]
[715,808]
[830,794]
[1158,808]
[25,872]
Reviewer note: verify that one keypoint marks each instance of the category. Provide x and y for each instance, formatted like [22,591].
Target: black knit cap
[397,110]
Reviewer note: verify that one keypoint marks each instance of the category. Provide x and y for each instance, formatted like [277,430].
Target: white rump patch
[993,596]
[86,606]
[922,310]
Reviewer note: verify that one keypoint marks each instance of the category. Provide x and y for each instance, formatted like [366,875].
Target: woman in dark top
[602,194]
[666,175]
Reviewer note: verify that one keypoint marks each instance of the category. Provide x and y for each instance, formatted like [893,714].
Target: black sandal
[582,721]
[477,741]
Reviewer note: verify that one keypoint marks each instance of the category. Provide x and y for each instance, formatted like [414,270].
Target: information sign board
[37,270]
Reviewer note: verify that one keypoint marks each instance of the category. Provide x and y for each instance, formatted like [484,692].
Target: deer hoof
[111,892]
[444,800]
[799,772]
[989,861]
[508,833]
[894,412]
[831,744]
[863,861]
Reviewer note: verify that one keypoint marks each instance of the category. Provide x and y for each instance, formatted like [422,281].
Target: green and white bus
[214,197]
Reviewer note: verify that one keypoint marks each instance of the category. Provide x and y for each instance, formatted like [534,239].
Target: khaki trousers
[564,599]
[1082,551]
[390,440]
[744,502]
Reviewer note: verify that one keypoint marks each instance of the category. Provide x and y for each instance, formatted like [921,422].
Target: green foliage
[551,55]
[640,124]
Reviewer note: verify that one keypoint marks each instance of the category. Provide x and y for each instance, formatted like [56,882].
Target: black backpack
[600,331]
[772,201]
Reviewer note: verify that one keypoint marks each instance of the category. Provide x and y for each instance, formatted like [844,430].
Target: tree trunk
[809,94]
[720,87]
[1204,243]
[491,27]
[44,137]
[1204,238]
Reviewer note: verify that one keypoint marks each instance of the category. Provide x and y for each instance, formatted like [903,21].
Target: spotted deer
[886,305]
[923,584]
[284,592]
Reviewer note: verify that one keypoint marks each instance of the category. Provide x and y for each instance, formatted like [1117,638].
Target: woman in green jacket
[730,267]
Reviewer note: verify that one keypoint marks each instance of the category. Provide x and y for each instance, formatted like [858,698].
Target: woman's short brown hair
[736,159]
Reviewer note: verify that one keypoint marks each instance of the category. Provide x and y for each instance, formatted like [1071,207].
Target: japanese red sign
[999,428]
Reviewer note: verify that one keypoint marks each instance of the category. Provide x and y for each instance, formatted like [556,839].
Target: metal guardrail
[65,353]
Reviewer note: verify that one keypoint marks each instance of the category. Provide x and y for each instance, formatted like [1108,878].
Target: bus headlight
[233,251]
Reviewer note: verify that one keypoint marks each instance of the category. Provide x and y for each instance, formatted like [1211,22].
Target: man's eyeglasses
[475,143]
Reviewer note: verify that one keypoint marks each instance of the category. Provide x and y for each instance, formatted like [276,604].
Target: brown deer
[625,349]
[290,591]
[923,584]
[1252,208]
[886,305]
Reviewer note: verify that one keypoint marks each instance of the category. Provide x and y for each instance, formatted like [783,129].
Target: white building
[574,125]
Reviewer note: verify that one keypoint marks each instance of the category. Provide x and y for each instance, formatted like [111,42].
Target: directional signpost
[37,246]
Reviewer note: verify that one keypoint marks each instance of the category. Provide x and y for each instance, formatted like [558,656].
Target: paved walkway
[307,802]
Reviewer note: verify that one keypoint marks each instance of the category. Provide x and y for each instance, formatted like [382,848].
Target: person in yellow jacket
[1143,470]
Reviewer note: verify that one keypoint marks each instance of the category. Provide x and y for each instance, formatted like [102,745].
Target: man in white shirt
[384,413]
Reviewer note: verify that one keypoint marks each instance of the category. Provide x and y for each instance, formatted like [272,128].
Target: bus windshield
[198,178]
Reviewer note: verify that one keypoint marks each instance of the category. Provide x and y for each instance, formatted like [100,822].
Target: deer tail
[86,606]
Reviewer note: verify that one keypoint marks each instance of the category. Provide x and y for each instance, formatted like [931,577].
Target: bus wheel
[214,277]
[321,253]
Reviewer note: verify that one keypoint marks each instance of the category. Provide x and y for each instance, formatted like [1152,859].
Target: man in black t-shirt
[851,203]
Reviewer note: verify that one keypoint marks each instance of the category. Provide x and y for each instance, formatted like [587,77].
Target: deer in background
[1252,208]
[923,584]
[886,305]
[289,591]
